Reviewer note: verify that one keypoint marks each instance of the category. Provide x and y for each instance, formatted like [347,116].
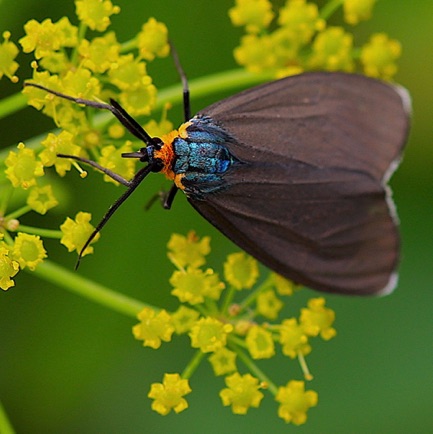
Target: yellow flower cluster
[96,67]
[223,318]
[297,38]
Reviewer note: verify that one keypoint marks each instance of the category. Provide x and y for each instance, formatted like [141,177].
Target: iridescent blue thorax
[202,158]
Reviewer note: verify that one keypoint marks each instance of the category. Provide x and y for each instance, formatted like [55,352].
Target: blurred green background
[68,365]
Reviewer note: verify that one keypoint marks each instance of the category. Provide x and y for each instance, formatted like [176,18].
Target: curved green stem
[80,285]
[5,424]
[330,8]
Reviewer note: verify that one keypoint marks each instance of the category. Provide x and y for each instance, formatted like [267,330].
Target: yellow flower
[183,319]
[77,232]
[256,15]
[295,402]
[256,53]
[357,10]
[260,343]
[23,168]
[100,53]
[96,13]
[241,393]
[41,199]
[318,319]
[111,158]
[223,361]
[28,250]
[8,267]
[209,334]
[62,143]
[332,50]
[241,271]
[293,339]
[139,101]
[379,55]
[153,327]
[153,40]
[301,19]
[168,395]
[8,53]
[189,250]
[194,285]
[284,286]
[268,304]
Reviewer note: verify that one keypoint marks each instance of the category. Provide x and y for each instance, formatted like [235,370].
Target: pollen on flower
[169,394]
[223,361]
[242,392]
[260,343]
[28,250]
[23,167]
[76,233]
[241,270]
[318,319]
[190,250]
[153,327]
[209,334]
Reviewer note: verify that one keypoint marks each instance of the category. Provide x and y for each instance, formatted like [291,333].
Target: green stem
[252,297]
[253,368]
[330,8]
[47,233]
[86,288]
[192,365]
[18,213]
[5,424]
[12,104]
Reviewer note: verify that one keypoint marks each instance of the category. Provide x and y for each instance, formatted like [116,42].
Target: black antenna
[124,117]
[184,80]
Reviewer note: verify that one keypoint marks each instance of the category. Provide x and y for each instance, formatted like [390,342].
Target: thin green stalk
[330,8]
[5,424]
[193,365]
[12,104]
[252,367]
[86,288]
[19,212]
[46,233]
